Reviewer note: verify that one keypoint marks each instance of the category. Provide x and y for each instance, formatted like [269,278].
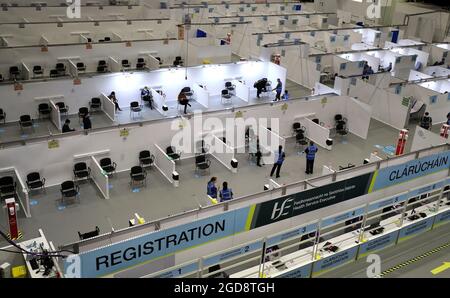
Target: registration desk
[302,264]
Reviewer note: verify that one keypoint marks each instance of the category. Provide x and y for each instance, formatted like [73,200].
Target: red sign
[77,81]
[89,46]
[44,49]
[12,218]
[128,44]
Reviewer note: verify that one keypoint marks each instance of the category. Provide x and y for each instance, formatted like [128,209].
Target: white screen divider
[100,179]
[222,152]
[73,70]
[164,164]
[273,139]
[158,101]
[26,72]
[55,115]
[108,107]
[316,133]
[152,62]
[201,95]
[114,66]
[242,90]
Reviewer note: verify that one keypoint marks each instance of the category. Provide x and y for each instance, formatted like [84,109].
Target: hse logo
[283,210]
[73,9]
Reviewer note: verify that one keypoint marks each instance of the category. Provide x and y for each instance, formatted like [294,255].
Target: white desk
[35,245]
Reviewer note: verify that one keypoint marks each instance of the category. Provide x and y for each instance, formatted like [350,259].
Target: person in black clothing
[426,122]
[184,101]
[66,127]
[112,96]
[260,87]
[258,153]
[87,124]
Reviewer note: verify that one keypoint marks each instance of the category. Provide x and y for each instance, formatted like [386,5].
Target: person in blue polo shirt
[310,156]
[211,188]
[278,89]
[278,162]
[225,193]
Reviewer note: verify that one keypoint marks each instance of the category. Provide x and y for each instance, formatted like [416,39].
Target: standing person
[426,122]
[112,96]
[260,86]
[87,124]
[279,159]
[310,156]
[278,89]
[258,153]
[225,193]
[211,188]
[66,126]
[286,95]
[448,119]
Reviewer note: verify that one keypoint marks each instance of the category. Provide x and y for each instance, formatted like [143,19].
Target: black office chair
[337,118]
[107,38]
[126,64]
[82,112]
[296,127]
[1,78]
[34,181]
[138,176]
[108,166]
[3,116]
[102,66]
[7,187]
[226,97]
[201,148]
[95,104]
[44,110]
[14,73]
[54,73]
[172,153]
[135,107]
[341,129]
[61,68]
[25,121]
[63,108]
[140,63]
[230,87]
[179,60]
[81,171]
[69,190]
[300,140]
[202,163]
[146,159]
[90,234]
[159,59]
[38,71]
[81,66]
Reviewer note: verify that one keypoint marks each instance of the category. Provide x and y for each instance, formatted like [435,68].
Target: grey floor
[405,251]
[159,199]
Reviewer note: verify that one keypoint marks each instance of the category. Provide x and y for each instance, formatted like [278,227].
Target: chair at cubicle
[34,181]
[108,166]
[135,108]
[202,164]
[140,63]
[25,121]
[44,110]
[91,234]
[95,104]
[37,71]
[138,176]
[81,67]
[63,108]
[146,159]
[69,190]
[3,116]
[172,153]
[81,171]
[226,97]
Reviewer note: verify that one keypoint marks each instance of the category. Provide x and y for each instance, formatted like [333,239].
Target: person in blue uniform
[225,193]
[310,151]
[211,188]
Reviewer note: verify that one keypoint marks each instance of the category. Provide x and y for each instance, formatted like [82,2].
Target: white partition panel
[358,115]
[222,152]
[108,107]
[73,70]
[152,62]
[242,90]
[201,95]
[424,139]
[55,116]
[273,138]
[316,133]
[164,164]
[114,65]
[158,101]
[101,180]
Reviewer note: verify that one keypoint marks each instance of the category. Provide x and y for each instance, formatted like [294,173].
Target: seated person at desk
[66,127]
[225,193]
[146,95]
[273,254]
[260,87]
[183,100]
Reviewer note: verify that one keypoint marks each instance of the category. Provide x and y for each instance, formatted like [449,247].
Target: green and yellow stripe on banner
[251,212]
[372,183]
